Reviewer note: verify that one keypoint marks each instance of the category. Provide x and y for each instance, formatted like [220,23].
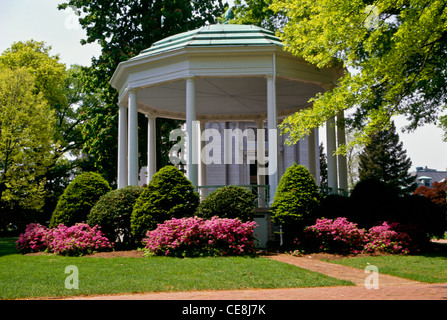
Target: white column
[202,167]
[132,155]
[331,158]
[317,155]
[272,121]
[260,146]
[122,147]
[311,145]
[191,121]
[151,147]
[342,162]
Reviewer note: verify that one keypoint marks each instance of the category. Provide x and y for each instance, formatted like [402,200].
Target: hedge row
[127,215]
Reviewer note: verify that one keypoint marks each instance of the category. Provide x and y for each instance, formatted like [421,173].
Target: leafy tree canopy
[60,88]
[26,133]
[258,13]
[63,92]
[395,52]
[35,57]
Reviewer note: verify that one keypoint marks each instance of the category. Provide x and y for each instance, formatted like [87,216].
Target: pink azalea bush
[385,238]
[341,236]
[34,238]
[75,240]
[200,237]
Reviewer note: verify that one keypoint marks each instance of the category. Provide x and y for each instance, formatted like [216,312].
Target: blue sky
[22,20]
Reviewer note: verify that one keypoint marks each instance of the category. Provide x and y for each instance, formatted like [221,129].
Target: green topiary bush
[112,213]
[228,202]
[78,198]
[169,195]
[296,202]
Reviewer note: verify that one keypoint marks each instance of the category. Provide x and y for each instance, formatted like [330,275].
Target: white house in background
[426,176]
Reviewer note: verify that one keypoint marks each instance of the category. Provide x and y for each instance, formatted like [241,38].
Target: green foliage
[422,218]
[385,159]
[333,206]
[228,202]
[60,88]
[443,125]
[35,58]
[323,166]
[62,91]
[395,52]
[112,213]
[371,201]
[258,13]
[26,133]
[296,200]
[81,195]
[169,195]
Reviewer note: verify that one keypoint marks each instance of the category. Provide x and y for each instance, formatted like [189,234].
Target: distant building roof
[424,178]
[422,173]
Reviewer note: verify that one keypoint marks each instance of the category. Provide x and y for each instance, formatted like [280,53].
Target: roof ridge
[217,35]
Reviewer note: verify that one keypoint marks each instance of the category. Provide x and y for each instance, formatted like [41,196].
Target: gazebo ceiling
[241,98]
[230,64]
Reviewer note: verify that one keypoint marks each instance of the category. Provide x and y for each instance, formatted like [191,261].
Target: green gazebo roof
[216,35]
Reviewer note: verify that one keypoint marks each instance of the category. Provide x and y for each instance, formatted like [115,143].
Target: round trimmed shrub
[228,202]
[169,195]
[296,201]
[113,211]
[78,199]
[370,202]
[333,206]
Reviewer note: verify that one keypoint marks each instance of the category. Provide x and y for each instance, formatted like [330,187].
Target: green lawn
[44,276]
[429,268]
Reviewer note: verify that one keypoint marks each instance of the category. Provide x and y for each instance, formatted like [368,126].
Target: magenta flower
[197,236]
[76,240]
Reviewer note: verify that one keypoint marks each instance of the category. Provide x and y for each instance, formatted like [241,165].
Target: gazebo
[221,72]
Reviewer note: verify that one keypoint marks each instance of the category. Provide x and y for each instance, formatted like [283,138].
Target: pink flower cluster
[34,239]
[385,238]
[340,235]
[196,236]
[75,240]
[337,235]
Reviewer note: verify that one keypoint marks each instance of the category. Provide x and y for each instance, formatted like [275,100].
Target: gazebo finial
[229,15]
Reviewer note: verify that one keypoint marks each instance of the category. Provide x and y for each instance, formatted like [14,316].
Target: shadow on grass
[8,246]
[435,250]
